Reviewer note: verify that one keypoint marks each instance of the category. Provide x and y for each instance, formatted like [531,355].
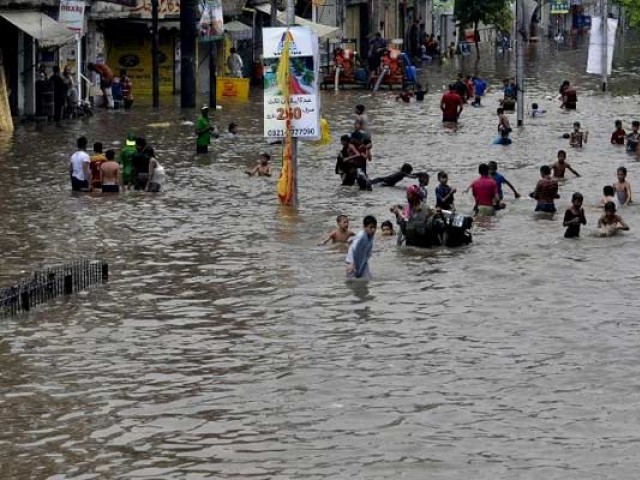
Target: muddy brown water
[227,344]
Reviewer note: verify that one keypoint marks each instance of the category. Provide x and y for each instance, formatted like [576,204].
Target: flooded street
[227,344]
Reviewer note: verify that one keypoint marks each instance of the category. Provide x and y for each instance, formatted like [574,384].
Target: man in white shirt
[234,64]
[79,168]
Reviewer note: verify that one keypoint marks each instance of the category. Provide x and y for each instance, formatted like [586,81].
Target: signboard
[71,15]
[129,52]
[211,25]
[232,88]
[170,8]
[559,7]
[304,103]
[444,7]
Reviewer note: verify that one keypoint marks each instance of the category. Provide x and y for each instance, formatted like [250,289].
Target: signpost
[211,28]
[71,15]
[291,96]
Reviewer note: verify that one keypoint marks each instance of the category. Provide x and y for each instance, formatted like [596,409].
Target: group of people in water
[424,226]
[135,167]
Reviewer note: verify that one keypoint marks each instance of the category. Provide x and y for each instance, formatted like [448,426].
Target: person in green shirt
[125,159]
[204,130]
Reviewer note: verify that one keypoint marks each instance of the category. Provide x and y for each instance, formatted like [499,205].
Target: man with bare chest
[111,177]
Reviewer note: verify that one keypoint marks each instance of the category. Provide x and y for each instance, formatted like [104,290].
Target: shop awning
[320,29]
[43,28]
[238,30]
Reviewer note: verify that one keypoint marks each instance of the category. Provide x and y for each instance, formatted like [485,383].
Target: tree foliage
[494,13]
[488,12]
[632,11]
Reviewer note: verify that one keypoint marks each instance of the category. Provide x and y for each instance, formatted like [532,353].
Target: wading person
[360,250]
[126,89]
[111,174]
[451,105]
[204,130]
[79,167]
[546,192]
[140,163]
[486,193]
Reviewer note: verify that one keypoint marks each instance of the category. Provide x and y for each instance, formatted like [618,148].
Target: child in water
[503,121]
[423,182]
[444,193]
[633,139]
[619,135]
[501,180]
[574,217]
[503,139]
[360,250]
[341,234]
[610,223]
[405,95]
[608,195]
[561,166]
[263,169]
[577,138]
[622,187]
[386,229]
[536,111]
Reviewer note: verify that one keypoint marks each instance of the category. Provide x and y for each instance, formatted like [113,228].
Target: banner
[71,15]
[303,111]
[559,7]
[443,7]
[211,25]
[596,44]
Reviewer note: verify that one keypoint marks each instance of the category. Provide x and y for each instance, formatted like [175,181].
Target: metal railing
[51,282]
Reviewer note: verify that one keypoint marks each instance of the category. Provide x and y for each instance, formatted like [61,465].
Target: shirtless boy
[561,166]
[622,187]
[577,137]
[263,169]
[341,234]
[111,177]
[610,223]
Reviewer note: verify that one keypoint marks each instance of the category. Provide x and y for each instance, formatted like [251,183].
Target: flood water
[227,344]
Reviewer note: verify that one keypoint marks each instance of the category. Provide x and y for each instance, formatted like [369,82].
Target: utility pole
[291,15]
[212,73]
[155,72]
[605,43]
[273,21]
[520,39]
[188,34]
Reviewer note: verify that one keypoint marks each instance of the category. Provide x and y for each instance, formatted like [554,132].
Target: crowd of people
[135,168]
[423,225]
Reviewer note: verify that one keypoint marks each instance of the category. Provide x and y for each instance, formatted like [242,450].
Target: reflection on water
[228,344]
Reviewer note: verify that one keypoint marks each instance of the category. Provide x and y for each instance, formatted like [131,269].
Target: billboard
[303,111]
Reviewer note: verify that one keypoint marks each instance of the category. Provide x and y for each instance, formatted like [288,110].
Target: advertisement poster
[71,15]
[134,55]
[211,26]
[304,103]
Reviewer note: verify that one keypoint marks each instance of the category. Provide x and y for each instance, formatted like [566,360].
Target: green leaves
[489,12]
[632,9]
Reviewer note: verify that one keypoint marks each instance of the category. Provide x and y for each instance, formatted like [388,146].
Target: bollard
[68,283]
[105,272]
[24,300]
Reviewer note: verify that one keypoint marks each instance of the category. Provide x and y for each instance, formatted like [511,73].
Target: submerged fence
[51,282]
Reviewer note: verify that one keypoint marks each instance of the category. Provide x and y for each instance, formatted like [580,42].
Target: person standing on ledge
[106,82]
[234,64]
[204,129]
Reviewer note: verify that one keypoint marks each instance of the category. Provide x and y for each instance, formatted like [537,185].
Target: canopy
[238,30]
[41,27]
[320,29]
